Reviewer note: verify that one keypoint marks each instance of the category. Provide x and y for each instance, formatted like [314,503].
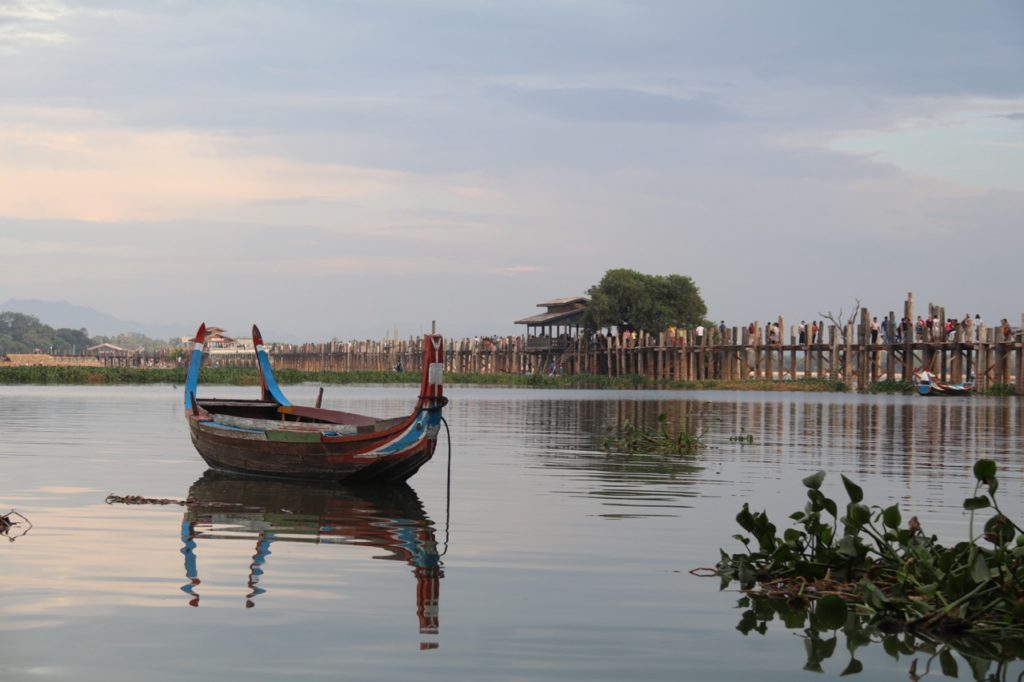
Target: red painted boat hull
[338,461]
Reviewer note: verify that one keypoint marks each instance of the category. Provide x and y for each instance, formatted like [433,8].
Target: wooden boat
[271,437]
[390,518]
[928,384]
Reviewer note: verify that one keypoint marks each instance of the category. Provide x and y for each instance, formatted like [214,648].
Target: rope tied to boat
[436,405]
[448,487]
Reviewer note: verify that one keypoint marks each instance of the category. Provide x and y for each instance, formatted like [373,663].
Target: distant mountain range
[61,314]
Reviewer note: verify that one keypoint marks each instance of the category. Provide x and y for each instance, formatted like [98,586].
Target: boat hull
[943,389]
[390,457]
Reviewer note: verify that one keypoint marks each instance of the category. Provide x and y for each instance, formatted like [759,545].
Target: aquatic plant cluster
[867,563]
[891,386]
[743,438]
[631,438]
[1002,390]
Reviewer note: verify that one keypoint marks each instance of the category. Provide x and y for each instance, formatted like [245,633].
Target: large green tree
[20,333]
[628,299]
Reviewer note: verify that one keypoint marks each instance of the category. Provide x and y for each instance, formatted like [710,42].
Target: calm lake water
[550,561]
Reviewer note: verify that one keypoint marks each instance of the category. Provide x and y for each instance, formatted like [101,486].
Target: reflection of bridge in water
[220,506]
[906,433]
[904,437]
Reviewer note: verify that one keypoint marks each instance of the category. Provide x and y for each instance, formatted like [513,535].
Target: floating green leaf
[980,502]
[979,569]
[815,480]
[979,666]
[948,663]
[831,612]
[999,530]
[853,668]
[891,517]
[848,547]
[984,469]
[853,490]
[872,595]
[858,514]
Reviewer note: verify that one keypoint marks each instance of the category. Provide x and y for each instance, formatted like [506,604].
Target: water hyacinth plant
[632,438]
[867,561]
[743,438]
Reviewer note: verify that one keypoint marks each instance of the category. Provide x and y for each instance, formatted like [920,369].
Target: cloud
[968,142]
[518,269]
[617,105]
[102,172]
[346,154]
[19,247]
[314,266]
[24,23]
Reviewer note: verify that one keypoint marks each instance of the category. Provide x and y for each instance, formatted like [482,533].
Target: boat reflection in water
[220,505]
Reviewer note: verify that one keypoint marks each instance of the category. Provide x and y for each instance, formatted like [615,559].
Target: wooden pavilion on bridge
[556,329]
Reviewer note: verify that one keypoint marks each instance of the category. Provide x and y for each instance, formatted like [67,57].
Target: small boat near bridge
[927,383]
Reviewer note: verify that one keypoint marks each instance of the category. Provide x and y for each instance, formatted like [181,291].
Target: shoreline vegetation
[235,376]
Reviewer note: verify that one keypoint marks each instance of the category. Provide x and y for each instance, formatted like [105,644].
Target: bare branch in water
[6,525]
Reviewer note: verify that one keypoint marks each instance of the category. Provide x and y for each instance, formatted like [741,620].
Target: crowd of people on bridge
[923,329]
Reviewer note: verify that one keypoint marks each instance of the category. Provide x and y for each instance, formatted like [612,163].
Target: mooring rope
[448,488]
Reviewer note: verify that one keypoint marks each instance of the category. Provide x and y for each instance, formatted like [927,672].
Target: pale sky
[340,169]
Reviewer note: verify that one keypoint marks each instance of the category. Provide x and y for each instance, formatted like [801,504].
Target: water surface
[551,560]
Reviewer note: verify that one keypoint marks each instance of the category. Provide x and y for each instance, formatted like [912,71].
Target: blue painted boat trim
[416,432]
[268,377]
[192,378]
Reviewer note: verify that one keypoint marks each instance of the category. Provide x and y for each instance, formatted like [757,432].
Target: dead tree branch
[842,322]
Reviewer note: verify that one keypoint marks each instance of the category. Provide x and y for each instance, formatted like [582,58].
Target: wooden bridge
[840,352]
[844,353]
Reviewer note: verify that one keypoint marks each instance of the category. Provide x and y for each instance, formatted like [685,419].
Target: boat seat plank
[228,402]
[250,423]
[329,416]
[236,432]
